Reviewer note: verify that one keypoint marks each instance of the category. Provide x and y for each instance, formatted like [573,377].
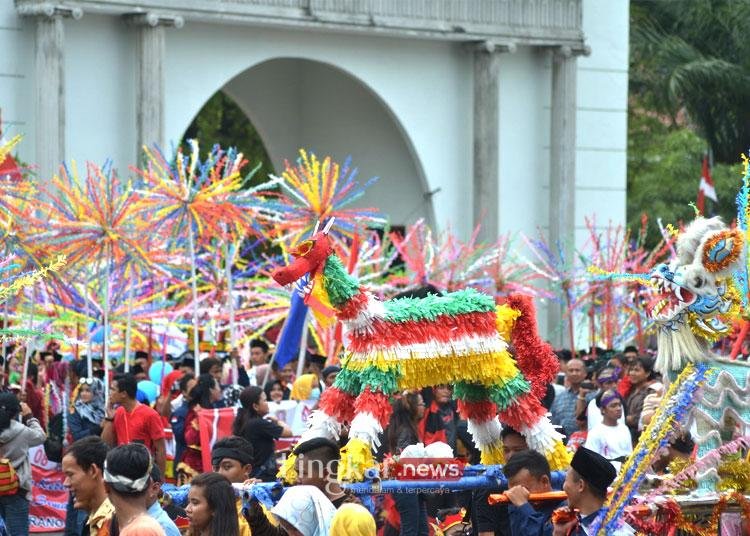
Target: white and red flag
[706,188]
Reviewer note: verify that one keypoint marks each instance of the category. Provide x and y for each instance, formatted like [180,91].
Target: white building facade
[508,113]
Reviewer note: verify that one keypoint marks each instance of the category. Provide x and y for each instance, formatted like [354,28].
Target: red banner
[50,500]
[213,424]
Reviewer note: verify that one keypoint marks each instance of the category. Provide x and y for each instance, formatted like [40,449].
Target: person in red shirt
[133,422]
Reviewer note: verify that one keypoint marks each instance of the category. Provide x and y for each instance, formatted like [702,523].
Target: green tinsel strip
[355,382]
[432,306]
[339,284]
[504,395]
[348,381]
[470,392]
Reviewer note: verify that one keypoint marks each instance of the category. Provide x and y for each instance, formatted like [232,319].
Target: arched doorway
[297,103]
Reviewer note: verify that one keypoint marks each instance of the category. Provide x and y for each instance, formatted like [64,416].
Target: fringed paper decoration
[410,343]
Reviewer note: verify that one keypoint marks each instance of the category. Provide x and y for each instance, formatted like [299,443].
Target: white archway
[300,103]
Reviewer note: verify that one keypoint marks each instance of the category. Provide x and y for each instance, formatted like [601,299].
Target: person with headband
[607,378]
[610,438]
[127,475]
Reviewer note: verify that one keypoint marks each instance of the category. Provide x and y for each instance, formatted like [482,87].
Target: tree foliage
[664,169]
[222,121]
[690,62]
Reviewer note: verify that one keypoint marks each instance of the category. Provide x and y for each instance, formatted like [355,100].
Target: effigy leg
[336,407]
[480,412]
[527,415]
[372,411]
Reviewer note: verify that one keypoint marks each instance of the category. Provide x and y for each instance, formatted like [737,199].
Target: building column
[562,191]
[149,94]
[486,134]
[49,88]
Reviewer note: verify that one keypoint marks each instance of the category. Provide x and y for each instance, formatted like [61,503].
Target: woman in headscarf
[86,417]
[305,510]
[306,387]
[353,520]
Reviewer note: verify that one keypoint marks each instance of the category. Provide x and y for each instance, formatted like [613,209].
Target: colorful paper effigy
[410,343]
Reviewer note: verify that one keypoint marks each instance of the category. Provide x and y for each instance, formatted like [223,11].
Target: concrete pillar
[487,137]
[49,87]
[562,191]
[150,57]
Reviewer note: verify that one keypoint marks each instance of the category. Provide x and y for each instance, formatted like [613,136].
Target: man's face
[606,381]
[630,357]
[573,488]
[189,387]
[513,443]
[613,410]
[257,356]
[152,495]
[114,393]
[330,379]
[82,483]
[527,480]
[311,472]
[575,372]
[233,470]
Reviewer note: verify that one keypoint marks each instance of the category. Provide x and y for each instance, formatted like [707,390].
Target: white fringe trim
[320,424]
[542,436]
[484,433]
[367,428]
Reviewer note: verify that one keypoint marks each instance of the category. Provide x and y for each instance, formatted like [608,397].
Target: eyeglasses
[86,381]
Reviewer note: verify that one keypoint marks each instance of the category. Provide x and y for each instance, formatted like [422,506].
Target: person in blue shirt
[586,484]
[528,472]
[177,419]
[155,510]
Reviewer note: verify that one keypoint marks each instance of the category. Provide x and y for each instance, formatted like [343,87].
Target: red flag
[706,187]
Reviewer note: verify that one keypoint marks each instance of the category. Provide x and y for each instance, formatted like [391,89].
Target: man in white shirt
[610,438]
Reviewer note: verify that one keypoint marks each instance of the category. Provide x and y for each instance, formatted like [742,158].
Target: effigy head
[309,257]
[695,290]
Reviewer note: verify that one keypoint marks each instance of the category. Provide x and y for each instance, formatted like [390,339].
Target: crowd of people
[114,454]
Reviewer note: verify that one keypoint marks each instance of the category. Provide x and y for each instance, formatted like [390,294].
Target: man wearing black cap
[586,484]
[329,375]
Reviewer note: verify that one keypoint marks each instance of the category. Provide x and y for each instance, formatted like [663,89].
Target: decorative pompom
[288,470]
[320,424]
[354,306]
[356,458]
[376,403]
[493,454]
[505,318]
[525,411]
[338,404]
[535,358]
[477,411]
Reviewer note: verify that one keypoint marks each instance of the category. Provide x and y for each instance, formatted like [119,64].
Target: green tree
[221,121]
[664,168]
[690,62]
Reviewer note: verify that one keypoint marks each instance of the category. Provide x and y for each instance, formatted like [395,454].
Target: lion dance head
[696,293]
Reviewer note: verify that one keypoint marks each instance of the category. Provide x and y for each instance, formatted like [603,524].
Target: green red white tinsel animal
[460,338]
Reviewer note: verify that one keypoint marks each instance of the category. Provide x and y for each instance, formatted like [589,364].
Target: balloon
[158,370]
[98,335]
[150,389]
